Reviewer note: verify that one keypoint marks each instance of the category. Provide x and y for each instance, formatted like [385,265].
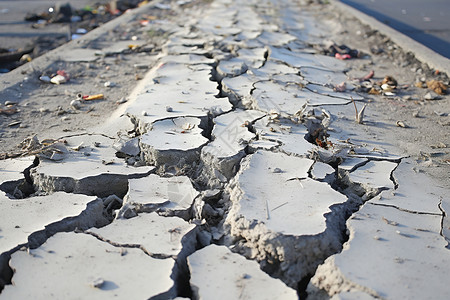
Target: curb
[422,53]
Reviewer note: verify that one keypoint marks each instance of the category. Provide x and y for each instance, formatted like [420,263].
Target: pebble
[169,109]
[43,110]
[144,113]
[401,124]
[109,84]
[430,96]
[10,103]
[75,104]
[121,100]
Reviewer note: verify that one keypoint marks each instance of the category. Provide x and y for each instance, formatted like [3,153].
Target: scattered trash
[342,52]
[389,83]
[9,110]
[401,124]
[93,97]
[45,78]
[437,86]
[15,123]
[342,56]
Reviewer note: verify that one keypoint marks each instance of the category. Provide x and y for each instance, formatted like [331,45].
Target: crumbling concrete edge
[421,52]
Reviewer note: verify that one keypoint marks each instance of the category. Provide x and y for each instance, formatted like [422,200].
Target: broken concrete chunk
[170,194]
[218,273]
[386,245]
[231,136]
[288,135]
[158,236]
[88,170]
[415,191]
[374,175]
[12,169]
[275,203]
[351,163]
[69,263]
[128,147]
[187,90]
[20,220]
[254,58]
[231,68]
[275,39]
[269,96]
[322,77]
[173,142]
[321,170]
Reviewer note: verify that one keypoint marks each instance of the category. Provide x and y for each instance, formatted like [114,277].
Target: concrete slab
[231,135]
[374,175]
[415,192]
[173,142]
[386,245]
[275,203]
[87,169]
[218,273]
[187,91]
[288,135]
[12,169]
[156,235]
[80,266]
[152,193]
[19,219]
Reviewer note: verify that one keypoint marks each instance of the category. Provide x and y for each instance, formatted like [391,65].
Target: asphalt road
[426,21]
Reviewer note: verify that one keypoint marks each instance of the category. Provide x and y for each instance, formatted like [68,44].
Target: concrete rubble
[234,180]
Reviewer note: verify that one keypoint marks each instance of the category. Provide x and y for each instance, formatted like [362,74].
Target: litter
[437,86]
[93,97]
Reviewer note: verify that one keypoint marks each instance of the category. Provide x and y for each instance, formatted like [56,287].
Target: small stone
[121,100]
[43,110]
[97,283]
[169,109]
[430,96]
[401,124]
[76,104]
[144,113]
[277,170]
[65,118]
[109,84]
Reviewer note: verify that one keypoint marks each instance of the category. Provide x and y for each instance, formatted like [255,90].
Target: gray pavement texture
[234,170]
[427,22]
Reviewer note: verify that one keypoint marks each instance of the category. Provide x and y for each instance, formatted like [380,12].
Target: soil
[45,110]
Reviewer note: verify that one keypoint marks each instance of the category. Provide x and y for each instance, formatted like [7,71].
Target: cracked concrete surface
[240,175]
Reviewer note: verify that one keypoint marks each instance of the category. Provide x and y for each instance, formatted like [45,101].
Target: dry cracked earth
[235,170]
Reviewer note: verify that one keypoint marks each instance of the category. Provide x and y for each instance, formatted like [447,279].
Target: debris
[340,87]
[97,283]
[342,56]
[430,96]
[440,145]
[109,84]
[440,114]
[9,110]
[401,124]
[76,104]
[437,86]
[58,79]
[169,109]
[45,78]
[15,123]
[367,77]
[93,97]
[359,116]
